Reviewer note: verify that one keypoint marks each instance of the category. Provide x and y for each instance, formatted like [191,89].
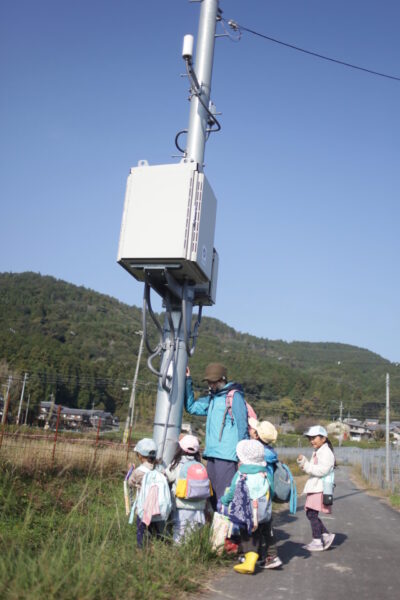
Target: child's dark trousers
[317,526]
[156,528]
[251,542]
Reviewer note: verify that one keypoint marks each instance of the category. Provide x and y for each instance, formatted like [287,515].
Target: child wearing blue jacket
[266,433]
[254,505]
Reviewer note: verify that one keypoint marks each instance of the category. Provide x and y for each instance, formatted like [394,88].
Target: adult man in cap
[225,425]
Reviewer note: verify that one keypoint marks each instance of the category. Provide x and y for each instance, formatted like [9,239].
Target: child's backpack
[228,409]
[284,488]
[241,509]
[245,512]
[193,482]
[153,502]
[328,482]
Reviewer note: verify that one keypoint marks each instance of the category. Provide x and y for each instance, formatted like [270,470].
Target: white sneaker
[272,563]
[327,539]
[314,546]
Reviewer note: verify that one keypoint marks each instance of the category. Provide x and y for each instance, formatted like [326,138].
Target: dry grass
[385,495]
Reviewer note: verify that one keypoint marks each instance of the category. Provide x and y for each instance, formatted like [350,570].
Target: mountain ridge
[81,345]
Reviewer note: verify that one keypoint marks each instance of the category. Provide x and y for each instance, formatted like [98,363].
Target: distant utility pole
[52,402]
[387,474]
[341,411]
[6,400]
[27,410]
[131,410]
[21,398]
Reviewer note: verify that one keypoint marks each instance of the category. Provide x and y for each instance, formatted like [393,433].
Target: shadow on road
[336,498]
[284,517]
[340,539]
[290,549]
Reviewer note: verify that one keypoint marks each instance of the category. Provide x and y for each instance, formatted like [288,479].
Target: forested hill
[82,346]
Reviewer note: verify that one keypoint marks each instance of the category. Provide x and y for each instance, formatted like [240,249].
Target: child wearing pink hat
[190,487]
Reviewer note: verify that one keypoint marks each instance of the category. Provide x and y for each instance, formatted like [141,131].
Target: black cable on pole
[236,26]
[177,138]
[196,90]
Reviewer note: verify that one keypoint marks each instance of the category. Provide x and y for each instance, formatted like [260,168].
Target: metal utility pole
[341,434]
[177,259]
[6,400]
[50,414]
[387,471]
[169,406]
[199,116]
[129,418]
[27,409]
[21,398]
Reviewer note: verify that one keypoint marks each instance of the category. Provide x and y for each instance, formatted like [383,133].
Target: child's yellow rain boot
[249,565]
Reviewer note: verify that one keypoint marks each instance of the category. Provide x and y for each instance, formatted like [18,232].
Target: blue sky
[305,169]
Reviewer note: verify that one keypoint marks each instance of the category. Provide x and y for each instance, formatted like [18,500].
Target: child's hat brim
[316,430]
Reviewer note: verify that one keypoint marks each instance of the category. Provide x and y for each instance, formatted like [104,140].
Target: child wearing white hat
[266,433]
[321,464]
[249,501]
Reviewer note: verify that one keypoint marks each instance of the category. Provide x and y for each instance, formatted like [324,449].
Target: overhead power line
[237,27]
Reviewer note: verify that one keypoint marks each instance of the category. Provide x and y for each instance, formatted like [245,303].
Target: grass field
[67,537]
[64,533]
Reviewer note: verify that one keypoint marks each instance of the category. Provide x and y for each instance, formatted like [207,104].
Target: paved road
[363,562]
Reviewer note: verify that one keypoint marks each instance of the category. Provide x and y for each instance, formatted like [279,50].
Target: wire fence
[43,450]
[371,462]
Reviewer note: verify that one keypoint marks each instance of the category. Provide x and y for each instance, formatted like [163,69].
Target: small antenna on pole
[187,49]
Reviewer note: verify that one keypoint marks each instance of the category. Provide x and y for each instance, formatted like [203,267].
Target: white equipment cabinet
[169,222]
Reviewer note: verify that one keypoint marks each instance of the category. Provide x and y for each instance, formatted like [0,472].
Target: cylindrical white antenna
[187,48]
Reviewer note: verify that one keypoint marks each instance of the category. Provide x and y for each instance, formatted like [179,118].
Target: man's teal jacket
[213,406]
